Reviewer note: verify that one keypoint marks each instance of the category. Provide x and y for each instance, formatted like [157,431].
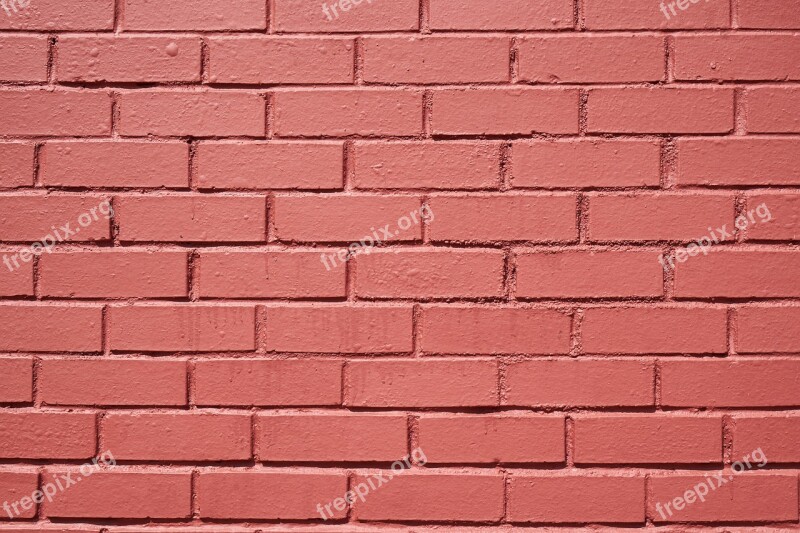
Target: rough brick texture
[399,266]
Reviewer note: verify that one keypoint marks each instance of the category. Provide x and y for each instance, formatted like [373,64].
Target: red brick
[30,435]
[771,435]
[303,16]
[270,165]
[32,218]
[730,57]
[576,498]
[113,274]
[492,438]
[500,111]
[177,436]
[252,495]
[636,15]
[586,163]
[655,330]
[15,281]
[660,110]
[494,330]
[734,383]
[267,274]
[34,112]
[17,485]
[429,273]
[16,380]
[45,328]
[182,328]
[125,58]
[422,383]
[652,439]
[115,164]
[130,494]
[739,274]
[500,15]
[339,218]
[339,329]
[591,58]
[785,212]
[265,382]
[24,58]
[16,164]
[343,112]
[434,497]
[768,14]
[427,165]
[773,109]
[514,217]
[53,15]
[754,498]
[194,15]
[660,216]
[192,218]
[589,274]
[272,60]
[191,113]
[128,382]
[580,383]
[436,59]
[768,329]
[738,161]
[331,437]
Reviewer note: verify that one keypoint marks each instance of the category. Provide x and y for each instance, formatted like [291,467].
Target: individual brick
[430,273]
[660,216]
[458,439]
[194,15]
[206,113]
[426,165]
[436,59]
[768,329]
[589,58]
[24,58]
[127,58]
[652,330]
[569,498]
[345,16]
[181,328]
[515,217]
[28,327]
[655,439]
[128,382]
[422,383]
[273,60]
[267,274]
[34,112]
[16,380]
[766,438]
[262,382]
[16,164]
[52,15]
[739,274]
[270,165]
[660,110]
[586,163]
[580,383]
[36,435]
[177,436]
[113,274]
[192,218]
[493,330]
[768,14]
[773,109]
[219,494]
[34,218]
[501,15]
[339,329]
[16,487]
[342,112]
[730,57]
[434,497]
[501,111]
[16,277]
[589,274]
[330,437]
[741,383]
[114,164]
[635,15]
[785,212]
